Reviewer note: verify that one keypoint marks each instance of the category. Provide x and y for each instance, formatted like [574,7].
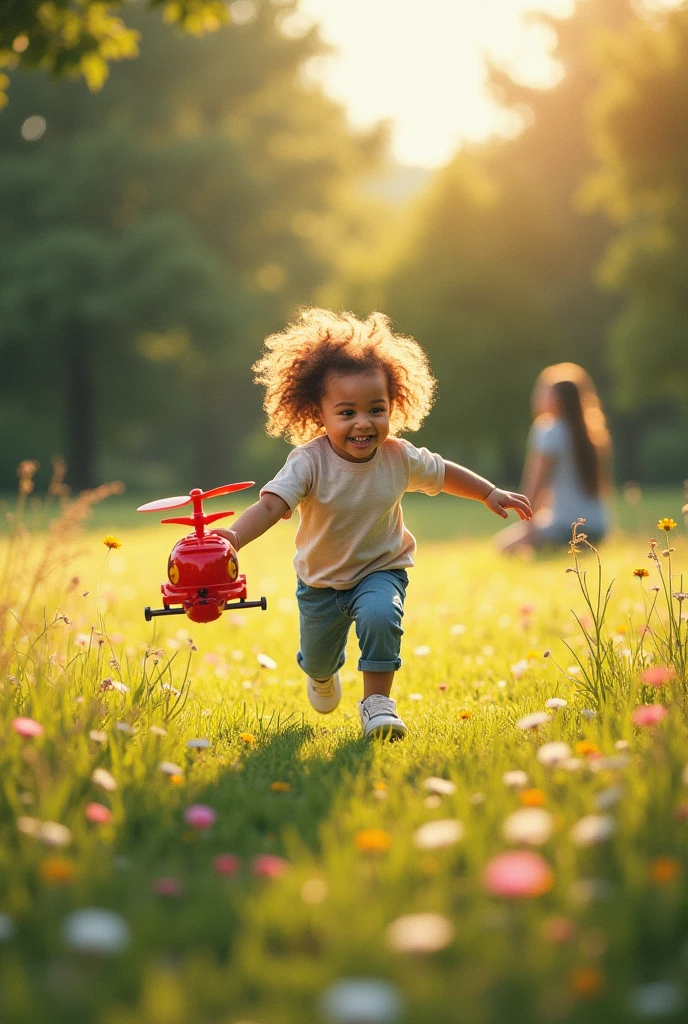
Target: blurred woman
[567,470]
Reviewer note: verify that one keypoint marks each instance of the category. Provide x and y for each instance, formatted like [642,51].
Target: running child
[342,390]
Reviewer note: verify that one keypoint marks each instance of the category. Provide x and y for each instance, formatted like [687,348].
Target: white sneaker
[325,696]
[379,718]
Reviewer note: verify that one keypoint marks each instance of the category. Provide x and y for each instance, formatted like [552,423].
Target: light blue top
[569,499]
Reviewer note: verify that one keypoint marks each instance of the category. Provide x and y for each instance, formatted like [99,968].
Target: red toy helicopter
[203,568]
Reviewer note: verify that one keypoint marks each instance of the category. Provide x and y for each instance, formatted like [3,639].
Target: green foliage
[160,229]
[79,38]
[642,146]
[496,275]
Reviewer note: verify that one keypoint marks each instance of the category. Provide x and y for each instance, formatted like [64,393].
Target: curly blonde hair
[296,363]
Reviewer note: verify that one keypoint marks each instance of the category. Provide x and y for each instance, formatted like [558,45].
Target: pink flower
[98,813]
[526,609]
[167,887]
[28,727]
[226,864]
[200,816]
[517,875]
[649,714]
[658,675]
[268,865]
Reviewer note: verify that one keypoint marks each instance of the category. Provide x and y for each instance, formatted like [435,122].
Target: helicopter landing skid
[150,612]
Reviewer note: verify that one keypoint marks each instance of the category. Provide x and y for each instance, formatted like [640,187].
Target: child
[342,390]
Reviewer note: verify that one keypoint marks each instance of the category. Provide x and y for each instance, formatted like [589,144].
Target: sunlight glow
[422,64]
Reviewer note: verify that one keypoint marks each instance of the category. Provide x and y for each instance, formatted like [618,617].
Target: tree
[641,139]
[498,273]
[79,38]
[177,217]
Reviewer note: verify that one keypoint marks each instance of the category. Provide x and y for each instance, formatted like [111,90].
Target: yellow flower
[247,737]
[640,573]
[373,840]
[57,871]
[586,748]
[380,787]
[111,542]
[532,797]
[280,787]
[666,524]
[176,780]
[464,713]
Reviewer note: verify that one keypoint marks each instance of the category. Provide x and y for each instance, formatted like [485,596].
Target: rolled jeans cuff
[379,666]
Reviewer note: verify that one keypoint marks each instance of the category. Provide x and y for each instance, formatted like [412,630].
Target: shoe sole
[386,732]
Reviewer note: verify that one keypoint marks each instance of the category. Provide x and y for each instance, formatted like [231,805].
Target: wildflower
[586,749]
[268,865]
[586,982]
[664,870]
[422,651]
[464,713]
[443,787]
[102,777]
[176,780]
[57,871]
[247,737]
[98,813]
[608,797]
[531,825]
[550,754]
[532,797]
[517,875]
[658,675]
[200,816]
[592,829]
[556,703]
[111,542]
[515,779]
[372,840]
[98,736]
[519,668]
[198,744]
[533,721]
[649,715]
[170,768]
[641,573]
[666,524]
[93,930]
[280,787]
[361,1001]
[435,835]
[226,864]
[653,542]
[266,661]
[27,727]
[167,886]
[680,596]
[314,890]
[420,933]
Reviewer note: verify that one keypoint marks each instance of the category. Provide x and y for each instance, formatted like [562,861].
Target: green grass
[237,949]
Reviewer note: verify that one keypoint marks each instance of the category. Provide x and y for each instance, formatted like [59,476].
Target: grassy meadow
[246,861]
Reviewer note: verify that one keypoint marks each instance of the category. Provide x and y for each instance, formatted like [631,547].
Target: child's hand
[499,501]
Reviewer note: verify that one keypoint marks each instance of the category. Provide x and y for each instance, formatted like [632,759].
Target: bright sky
[421,63]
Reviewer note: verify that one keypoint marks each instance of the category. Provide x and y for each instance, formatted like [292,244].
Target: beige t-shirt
[350,512]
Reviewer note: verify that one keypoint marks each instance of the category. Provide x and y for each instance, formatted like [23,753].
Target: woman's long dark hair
[586,453]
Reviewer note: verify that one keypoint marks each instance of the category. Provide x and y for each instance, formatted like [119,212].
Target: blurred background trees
[157,229]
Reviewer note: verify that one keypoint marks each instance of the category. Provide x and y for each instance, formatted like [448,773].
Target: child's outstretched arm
[256,520]
[464,483]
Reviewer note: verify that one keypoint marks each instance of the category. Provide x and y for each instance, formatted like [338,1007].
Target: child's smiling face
[354,411]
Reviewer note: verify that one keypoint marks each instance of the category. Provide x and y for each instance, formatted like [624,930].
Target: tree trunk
[80,410]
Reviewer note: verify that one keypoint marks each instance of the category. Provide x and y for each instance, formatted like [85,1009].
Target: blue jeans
[376,605]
